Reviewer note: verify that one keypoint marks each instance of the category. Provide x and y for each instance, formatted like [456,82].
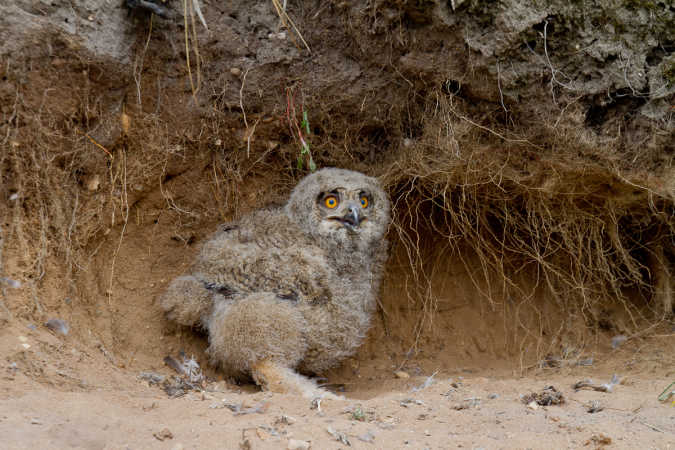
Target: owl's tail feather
[275,377]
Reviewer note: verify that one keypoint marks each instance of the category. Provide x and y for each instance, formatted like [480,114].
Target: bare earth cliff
[528,150]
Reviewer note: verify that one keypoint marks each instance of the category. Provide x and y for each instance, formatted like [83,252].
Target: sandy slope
[60,395]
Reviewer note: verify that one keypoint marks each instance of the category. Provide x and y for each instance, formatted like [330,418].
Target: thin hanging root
[286,20]
[193,31]
[556,228]
[662,279]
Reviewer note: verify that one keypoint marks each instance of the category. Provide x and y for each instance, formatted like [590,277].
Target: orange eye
[364,201]
[330,202]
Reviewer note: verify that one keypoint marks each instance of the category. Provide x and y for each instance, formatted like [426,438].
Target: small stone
[296,444]
[339,436]
[262,434]
[285,420]
[164,434]
[599,440]
[150,407]
[93,182]
[368,436]
[533,405]
[24,342]
[235,71]
[594,407]
[11,283]
[401,374]
[618,340]
[58,326]
[90,18]
[35,421]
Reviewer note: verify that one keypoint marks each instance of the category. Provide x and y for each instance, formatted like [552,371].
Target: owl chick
[290,289]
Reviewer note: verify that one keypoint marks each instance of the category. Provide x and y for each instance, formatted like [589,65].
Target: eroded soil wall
[528,152]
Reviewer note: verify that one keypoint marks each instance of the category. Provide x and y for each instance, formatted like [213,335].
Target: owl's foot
[271,376]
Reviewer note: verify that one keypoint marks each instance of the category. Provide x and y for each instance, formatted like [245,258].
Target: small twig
[645,188]
[187,49]
[71,227]
[93,141]
[550,65]
[195,48]
[241,97]
[523,141]
[655,428]
[125,202]
[2,288]
[248,138]
[106,353]
[499,85]
[603,407]
[285,19]
[139,70]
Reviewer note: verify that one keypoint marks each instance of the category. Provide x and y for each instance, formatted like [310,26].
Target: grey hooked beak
[352,219]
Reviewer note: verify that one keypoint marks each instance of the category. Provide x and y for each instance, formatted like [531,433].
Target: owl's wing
[189,299]
[264,252]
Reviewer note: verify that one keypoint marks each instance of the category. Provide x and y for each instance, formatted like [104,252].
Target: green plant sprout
[297,131]
[358,414]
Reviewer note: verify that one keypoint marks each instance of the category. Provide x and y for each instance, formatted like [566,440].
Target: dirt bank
[528,152]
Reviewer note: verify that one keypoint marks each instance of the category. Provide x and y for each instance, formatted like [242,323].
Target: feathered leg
[262,335]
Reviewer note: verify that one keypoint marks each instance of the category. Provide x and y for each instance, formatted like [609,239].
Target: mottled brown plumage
[290,288]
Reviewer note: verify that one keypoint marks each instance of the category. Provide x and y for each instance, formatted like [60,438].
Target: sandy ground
[58,394]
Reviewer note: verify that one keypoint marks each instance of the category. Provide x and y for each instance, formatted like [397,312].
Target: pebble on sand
[296,444]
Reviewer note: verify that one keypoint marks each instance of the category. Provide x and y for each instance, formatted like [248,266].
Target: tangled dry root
[562,211]
[584,231]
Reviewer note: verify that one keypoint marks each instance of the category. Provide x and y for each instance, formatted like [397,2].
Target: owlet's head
[340,205]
